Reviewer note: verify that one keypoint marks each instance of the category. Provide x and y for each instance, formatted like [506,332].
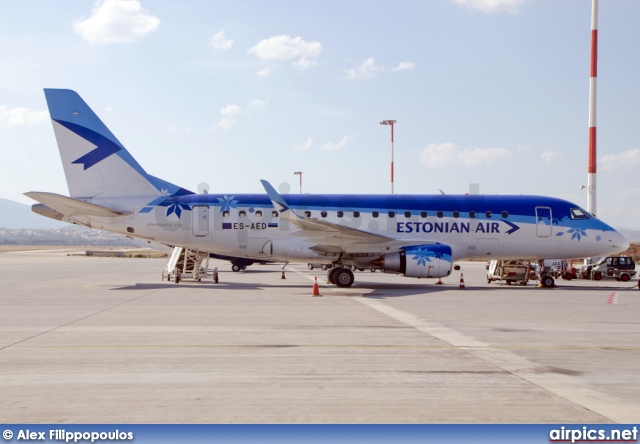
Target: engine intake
[422,261]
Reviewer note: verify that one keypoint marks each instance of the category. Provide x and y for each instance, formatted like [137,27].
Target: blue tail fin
[95,163]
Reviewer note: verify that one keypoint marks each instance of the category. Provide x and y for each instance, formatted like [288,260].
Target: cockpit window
[577,213]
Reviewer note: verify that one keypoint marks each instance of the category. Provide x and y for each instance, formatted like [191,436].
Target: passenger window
[440,214]
[423,214]
[225,214]
[392,214]
[242,213]
[356,214]
[488,214]
[323,213]
[258,213]
[307,214]
[374,214]
[340,213]
[472,214]
[505,214]
[456,214]
[407,214]
[274,214]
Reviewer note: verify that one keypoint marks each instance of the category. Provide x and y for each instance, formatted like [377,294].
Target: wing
[331,237]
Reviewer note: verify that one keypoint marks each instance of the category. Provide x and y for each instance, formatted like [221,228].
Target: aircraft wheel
[235,268]
[547,282]
[344,277]
[331,274]
[625,277]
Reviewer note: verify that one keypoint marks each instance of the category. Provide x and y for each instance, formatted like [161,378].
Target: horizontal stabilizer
[72,207]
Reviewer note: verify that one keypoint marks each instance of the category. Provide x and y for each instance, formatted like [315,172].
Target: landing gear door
[544,224]
[200,221]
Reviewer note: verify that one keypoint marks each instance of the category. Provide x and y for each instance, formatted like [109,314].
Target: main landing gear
[342,277]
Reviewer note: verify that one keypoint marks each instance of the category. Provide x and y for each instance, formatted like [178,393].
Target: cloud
[21,116]
[332,146]
[284,47]
[549,156]
[230,113]
[116,21]
[366,70]
[264,72]
[219,42]
[305,146]
[626,159]
[435,155]
[510,6]
[404,66]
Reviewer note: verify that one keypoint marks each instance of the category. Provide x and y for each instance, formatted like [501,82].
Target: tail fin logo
[105,147]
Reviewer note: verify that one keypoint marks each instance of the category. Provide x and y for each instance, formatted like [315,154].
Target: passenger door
[544,224]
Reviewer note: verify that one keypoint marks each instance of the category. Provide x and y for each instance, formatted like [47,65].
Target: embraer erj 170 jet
[414,235]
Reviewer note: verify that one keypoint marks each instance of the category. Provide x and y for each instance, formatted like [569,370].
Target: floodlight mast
[299,173]
[390,122]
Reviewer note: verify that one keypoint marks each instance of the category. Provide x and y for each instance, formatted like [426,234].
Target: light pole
[390,122]
[299,173]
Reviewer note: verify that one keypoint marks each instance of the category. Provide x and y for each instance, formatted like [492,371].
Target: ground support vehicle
[509,271]
[185,263]
[621,268]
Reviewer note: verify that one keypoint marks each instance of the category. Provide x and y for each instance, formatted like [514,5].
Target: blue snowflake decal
[422,256]
[598,238]
[252,210]
[174,207]
[227,203]
[577,233]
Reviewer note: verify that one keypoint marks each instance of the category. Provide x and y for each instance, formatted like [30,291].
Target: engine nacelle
[422,261]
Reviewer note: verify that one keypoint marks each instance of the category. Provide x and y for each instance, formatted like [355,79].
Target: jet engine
[421,261]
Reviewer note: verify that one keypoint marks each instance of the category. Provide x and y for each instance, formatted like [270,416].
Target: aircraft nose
[621,242]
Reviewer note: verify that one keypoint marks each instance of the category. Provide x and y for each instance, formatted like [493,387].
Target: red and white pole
[591,180]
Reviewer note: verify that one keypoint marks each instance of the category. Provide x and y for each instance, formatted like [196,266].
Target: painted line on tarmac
[569,388]
[613,298]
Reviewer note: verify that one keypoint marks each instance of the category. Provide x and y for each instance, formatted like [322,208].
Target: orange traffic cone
[461,282]
[438,281]
[283,275]
[316,290]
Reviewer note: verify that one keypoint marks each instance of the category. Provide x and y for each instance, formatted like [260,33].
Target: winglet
[278,202]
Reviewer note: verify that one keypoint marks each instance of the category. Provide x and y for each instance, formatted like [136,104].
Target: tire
[176,277]
[373,270]
[310,267]
[324,267]
[547,282]
[508,282]
[331,274]
[344,278]
[597,276]
[567,276]
[625,277]
[235,268]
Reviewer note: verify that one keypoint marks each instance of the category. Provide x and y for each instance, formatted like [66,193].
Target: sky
[220,94]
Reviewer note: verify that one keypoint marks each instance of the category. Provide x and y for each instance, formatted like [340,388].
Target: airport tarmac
[104,340]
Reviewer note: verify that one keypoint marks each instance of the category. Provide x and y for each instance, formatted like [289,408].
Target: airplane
[418,236]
